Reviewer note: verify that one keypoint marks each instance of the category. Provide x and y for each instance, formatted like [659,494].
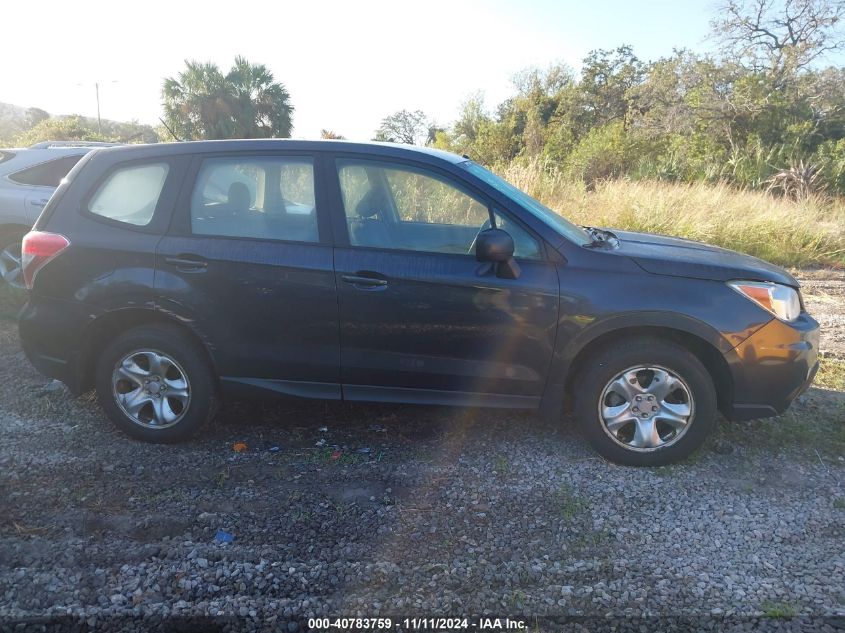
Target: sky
[346,65]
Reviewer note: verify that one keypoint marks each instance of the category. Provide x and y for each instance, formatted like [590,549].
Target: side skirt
[245,387]
[362,393]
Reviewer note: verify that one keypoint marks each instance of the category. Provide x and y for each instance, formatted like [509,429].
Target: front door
[420,319]
[249,262]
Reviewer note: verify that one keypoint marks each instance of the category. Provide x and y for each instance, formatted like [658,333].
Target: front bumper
[772,367]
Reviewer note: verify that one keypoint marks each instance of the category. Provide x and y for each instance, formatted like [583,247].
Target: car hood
[678,257]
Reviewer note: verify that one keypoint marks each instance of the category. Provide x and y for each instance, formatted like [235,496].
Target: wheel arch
[99,332]
[708,345]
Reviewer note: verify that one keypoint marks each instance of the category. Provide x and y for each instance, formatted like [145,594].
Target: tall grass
[789,233]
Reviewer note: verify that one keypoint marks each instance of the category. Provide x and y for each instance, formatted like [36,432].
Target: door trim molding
[405,395]
[296,388]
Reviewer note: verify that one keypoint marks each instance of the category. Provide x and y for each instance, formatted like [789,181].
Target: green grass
[812,429]
[831,373]
[11,302]
[568,504]
[502,465]
[778,610]
[782,231]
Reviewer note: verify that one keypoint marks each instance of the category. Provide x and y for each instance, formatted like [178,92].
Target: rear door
[421,320]
[248,261]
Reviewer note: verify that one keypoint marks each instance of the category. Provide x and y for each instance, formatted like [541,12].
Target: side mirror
[496,247]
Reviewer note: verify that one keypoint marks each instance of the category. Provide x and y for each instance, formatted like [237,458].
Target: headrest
[370,205]
[239,197]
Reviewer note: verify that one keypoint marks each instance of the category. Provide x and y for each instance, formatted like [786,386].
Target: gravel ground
[824,295]
[342,510]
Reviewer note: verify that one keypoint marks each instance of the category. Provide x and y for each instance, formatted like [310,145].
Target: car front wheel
[156,385]
[645,402]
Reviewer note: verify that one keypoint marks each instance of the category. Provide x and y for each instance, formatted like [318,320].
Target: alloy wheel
[645,408]
[151,389]
[10,265]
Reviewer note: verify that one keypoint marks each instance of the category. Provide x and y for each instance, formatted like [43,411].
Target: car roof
[46,152]
[18,158]
[76,144]
[395,150]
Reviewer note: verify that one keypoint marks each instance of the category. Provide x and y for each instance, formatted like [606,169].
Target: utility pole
[99,124]
[97,95]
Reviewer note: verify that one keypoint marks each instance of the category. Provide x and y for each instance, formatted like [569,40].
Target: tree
[34,116]
[779,36]
[411,128]
[328,134]
[472,117]
[71,128]
[607,78]
[203,103]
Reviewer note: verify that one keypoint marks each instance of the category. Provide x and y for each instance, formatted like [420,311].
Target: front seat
[369,229]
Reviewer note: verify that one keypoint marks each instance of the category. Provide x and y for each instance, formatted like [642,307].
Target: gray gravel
[824,295]
[447,513]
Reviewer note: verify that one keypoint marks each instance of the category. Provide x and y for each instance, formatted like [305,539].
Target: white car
[28,177]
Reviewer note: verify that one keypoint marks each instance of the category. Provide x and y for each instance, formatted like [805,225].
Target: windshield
[537,209]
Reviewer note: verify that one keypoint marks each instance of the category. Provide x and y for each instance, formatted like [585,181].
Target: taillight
[38,248]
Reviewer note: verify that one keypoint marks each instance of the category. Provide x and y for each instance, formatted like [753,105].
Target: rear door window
[130,194]
[256,197]
[47,174]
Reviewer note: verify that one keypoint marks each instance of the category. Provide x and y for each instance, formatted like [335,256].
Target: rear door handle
[39,203]
[187,263]
[360,280]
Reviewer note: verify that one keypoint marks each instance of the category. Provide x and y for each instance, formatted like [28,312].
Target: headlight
[782,301]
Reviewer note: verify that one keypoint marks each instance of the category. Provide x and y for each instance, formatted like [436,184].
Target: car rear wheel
[645,402]
[155,385]
[10,259]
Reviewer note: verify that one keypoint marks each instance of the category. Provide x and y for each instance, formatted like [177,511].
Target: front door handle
[187,263]
[360,280]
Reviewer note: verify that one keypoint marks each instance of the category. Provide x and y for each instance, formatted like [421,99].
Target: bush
[605,152]
[830,159]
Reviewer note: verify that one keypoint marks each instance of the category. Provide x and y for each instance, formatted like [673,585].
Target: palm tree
[263,106]
[202,103]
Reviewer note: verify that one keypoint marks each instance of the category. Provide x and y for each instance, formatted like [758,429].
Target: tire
[160,377]
[10,256]
[669,380]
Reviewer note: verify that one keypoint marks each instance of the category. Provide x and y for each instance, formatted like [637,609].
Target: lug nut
[654,408]
[639,398]
[645,415]
[636,409]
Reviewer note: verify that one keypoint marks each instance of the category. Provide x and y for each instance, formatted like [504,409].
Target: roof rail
[48,144]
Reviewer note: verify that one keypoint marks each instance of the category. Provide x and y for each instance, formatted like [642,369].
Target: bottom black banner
[579,624]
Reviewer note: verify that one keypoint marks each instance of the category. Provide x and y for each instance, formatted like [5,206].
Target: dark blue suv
[171,276]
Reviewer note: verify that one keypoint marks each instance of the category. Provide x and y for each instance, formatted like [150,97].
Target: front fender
[686,325]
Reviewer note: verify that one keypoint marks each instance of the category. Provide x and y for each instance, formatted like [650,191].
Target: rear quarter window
[130,194]
[47,174]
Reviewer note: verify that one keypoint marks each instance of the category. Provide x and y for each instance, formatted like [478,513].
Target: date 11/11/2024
[417,624]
